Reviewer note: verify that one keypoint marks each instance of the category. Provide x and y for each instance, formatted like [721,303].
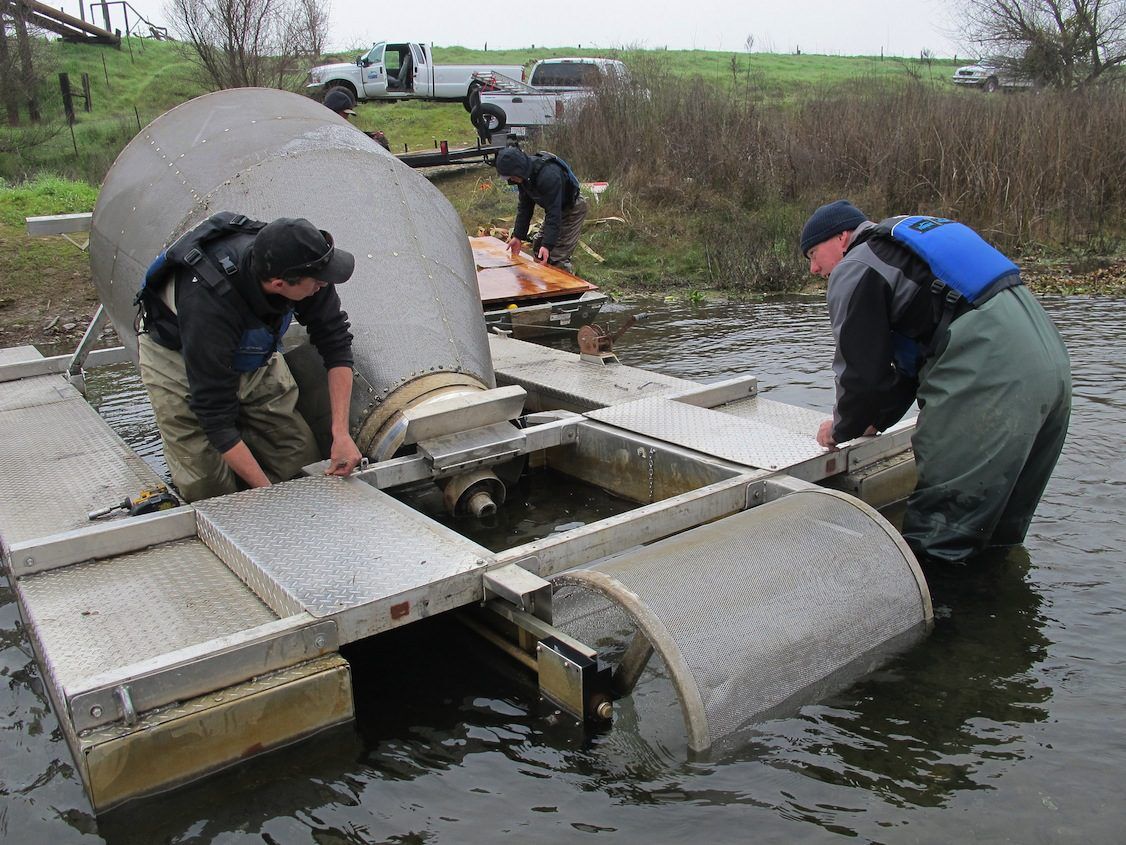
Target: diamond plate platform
[93,617]
[41,390]
[555,379]
[15,354]
[59,460]
[742,440]
[794,418]
[339,548]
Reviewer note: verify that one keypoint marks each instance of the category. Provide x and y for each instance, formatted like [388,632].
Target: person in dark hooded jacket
[547,181]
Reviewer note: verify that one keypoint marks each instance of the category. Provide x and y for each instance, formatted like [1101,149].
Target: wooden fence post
[68,101]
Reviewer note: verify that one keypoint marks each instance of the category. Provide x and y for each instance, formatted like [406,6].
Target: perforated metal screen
[751,610]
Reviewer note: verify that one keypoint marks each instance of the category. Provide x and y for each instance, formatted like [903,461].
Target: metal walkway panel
[799,420]
[93,617]
[59,460]
[555,379]
[746,441]
[30,392]
[16,354]
[342,549]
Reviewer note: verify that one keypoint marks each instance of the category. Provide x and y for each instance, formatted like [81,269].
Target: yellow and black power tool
[149,500]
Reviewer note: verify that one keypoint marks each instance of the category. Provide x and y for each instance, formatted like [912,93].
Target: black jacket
[208,326]
[548,187]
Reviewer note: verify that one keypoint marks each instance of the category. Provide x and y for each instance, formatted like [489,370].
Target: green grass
[126,92]
[417,124]
[30,267]
[44,195]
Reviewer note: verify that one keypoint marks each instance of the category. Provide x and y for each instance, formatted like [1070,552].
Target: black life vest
[573,186]
[211,251]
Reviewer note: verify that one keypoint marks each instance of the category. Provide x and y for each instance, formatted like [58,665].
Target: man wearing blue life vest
[214,308]
[923,308]
[547,181]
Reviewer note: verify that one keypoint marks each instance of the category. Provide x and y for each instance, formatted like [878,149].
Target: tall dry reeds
[1021,168]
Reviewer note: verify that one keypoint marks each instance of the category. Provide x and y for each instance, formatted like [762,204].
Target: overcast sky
[860,27]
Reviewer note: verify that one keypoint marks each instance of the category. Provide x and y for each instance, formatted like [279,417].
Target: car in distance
[991,75]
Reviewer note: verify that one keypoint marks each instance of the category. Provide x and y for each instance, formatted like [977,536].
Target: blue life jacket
[956,254]
[968,271]
[211,251]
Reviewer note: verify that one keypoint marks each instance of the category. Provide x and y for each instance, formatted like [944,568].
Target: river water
[1007,724]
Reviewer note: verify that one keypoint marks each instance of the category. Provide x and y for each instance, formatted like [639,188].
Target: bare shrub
[24,60]
[1021,168]
[1060,42]
[240,43]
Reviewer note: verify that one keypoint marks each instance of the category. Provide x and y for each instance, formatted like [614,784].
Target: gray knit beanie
[830,219]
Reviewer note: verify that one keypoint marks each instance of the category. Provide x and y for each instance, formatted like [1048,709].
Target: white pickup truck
[555,87]
[405,70]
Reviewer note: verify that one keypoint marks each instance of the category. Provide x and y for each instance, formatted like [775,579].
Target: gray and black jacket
[879,290]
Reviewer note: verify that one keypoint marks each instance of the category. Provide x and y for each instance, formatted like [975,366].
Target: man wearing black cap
[340,100]
[547,181]
[922,308]
[215,306]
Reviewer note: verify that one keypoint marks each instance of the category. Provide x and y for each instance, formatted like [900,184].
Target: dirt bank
[54,309]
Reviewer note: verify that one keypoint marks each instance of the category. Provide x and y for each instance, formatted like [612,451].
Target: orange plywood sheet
[502,278]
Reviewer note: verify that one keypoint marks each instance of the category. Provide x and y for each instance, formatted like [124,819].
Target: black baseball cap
[340,101]
[291,247]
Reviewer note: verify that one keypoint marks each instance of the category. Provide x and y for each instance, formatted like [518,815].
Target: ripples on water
[1006,724]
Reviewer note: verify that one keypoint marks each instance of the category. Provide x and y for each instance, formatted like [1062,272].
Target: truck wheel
[341,83]
[487,118]
[990,85]
[473,98]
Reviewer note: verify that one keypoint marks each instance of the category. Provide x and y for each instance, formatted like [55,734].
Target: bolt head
[96,711]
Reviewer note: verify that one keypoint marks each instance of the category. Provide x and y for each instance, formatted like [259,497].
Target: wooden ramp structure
[67,27]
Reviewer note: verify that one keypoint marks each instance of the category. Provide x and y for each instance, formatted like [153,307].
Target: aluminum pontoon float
[752,570]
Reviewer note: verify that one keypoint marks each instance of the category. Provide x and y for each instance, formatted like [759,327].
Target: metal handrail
[126,6]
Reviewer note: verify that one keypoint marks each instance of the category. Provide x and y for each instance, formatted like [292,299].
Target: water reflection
[946,716]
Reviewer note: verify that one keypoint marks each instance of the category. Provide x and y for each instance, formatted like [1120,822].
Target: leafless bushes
[240,43]
[1022,168]
[1065,43]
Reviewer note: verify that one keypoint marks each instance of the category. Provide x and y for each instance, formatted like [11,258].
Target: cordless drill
[149,500]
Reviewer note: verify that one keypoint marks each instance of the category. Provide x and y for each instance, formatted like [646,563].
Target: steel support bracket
[756,493]
[514,583]
[577,684]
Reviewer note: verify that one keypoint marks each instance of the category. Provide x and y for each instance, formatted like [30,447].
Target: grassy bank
[46,296]
[131,87]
